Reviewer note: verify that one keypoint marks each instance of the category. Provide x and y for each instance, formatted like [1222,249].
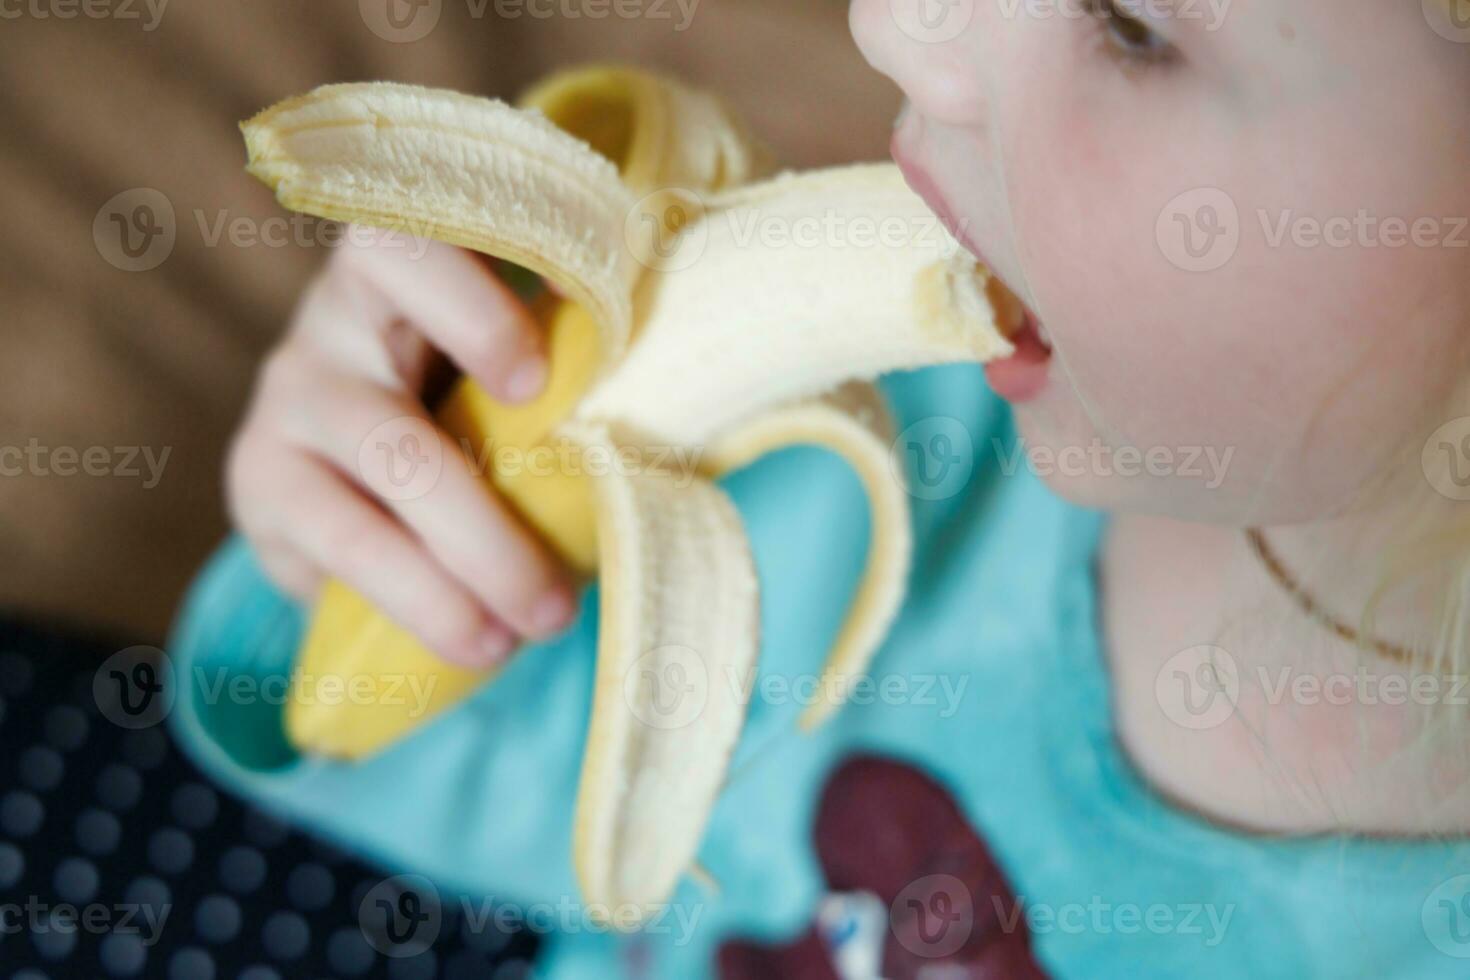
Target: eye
[1126,36]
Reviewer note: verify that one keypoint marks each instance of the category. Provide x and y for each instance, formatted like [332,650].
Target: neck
[1297,730]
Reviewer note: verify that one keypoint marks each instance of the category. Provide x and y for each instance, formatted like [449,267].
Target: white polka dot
[310,887]
[123,954]
[41,768]
[119,787]
[286,936]
[12,865]
[98,832]
[171,851]
[349,953]
[242,869]
[150,895]
[217,919]
[76,880]
[21,814]
[54,939]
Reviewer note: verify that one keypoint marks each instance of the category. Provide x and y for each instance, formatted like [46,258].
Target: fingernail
[551,612]
[527,380]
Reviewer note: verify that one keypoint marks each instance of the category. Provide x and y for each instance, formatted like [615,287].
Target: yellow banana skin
[730,351]
[627,116]
[349,638]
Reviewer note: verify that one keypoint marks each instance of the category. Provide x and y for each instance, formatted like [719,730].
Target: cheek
[1303,364]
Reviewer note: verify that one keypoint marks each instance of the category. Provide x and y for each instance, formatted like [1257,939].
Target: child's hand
[454,565]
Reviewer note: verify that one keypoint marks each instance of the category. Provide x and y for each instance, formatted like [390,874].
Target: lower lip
[1021,376]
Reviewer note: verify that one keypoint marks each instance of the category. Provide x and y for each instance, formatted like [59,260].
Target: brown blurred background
[100,115]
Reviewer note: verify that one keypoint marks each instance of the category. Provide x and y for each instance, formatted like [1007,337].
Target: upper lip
[923,184]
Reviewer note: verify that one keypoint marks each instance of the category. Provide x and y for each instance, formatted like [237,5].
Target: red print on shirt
[914,891]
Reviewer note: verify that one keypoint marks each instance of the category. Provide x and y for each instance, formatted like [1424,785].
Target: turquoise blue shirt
[1000,624]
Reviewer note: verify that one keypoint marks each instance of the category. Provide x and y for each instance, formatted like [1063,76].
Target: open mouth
[1020,376]
[1023,374]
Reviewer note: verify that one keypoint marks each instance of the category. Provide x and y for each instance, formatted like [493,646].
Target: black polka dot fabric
[118,859]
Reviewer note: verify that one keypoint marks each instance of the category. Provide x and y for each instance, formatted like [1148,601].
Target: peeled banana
[709,315]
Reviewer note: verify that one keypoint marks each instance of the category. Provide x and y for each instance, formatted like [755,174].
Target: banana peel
[688,324]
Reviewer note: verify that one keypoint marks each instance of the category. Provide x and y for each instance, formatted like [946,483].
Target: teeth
[748,346]
[1010,314]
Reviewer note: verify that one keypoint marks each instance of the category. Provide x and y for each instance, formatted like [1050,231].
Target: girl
[1218,731]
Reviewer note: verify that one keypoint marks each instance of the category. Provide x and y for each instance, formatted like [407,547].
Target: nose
[930,48]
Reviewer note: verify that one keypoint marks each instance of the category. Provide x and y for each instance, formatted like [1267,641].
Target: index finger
[460,306]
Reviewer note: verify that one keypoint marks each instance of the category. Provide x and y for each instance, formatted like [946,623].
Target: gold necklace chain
[1309,604]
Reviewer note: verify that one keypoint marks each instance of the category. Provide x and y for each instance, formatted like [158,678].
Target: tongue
[1021,375]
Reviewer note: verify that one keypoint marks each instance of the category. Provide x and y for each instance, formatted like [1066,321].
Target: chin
[1080,466]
